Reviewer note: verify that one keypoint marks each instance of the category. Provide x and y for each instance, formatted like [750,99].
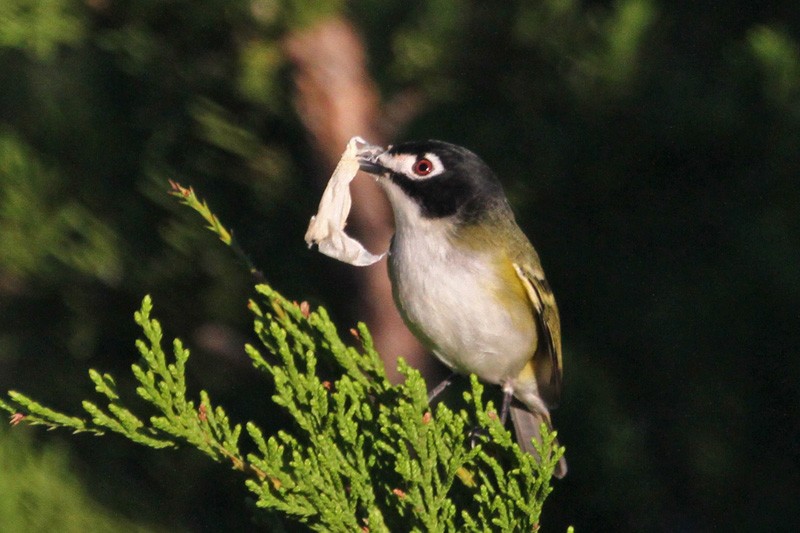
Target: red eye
[423,167]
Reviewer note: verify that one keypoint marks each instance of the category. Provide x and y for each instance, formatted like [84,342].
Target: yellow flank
[507,287]
[507,245]
[528,372]
[512,295]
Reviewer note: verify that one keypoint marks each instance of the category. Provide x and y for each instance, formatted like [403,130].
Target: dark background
[649,148]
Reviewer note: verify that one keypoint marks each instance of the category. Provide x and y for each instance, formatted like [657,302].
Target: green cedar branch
[361,453]
[187,197]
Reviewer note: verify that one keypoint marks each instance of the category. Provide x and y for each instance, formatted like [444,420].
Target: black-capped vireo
[467,281]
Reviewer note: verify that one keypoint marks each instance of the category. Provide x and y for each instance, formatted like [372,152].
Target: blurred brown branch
[337,99]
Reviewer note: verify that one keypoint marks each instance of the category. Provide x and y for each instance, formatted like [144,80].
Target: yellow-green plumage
[523,281]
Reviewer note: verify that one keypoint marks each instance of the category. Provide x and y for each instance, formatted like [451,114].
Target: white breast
[449,298]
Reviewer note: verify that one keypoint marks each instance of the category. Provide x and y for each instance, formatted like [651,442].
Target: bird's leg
[508,393]
[438,389]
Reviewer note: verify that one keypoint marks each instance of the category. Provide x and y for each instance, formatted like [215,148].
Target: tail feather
[526,426]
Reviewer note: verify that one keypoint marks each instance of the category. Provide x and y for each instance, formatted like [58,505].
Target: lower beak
[370,167]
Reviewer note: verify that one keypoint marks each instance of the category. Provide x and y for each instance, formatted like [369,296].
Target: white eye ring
[412,166]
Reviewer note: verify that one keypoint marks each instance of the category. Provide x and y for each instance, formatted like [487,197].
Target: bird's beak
[371,167]
[368,159]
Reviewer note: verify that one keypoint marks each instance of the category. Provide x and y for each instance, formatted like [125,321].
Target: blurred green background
[651,150]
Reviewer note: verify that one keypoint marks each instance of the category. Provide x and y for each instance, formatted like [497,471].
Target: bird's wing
[547,360]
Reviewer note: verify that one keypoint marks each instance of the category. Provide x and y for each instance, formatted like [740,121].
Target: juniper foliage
[361,453]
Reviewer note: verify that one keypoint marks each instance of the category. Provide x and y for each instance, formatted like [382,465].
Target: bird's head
[435,180]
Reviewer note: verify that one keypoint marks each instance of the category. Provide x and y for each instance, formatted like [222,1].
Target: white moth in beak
[326,228]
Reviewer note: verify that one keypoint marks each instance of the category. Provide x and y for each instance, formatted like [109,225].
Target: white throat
[407,213]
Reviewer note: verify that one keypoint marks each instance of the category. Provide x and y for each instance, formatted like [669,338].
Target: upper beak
[368,159]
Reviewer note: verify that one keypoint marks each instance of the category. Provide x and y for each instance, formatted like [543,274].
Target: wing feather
[548,365]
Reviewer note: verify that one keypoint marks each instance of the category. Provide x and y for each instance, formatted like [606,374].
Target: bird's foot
[475,436]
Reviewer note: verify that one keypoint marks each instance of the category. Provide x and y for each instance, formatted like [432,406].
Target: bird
[467,281]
